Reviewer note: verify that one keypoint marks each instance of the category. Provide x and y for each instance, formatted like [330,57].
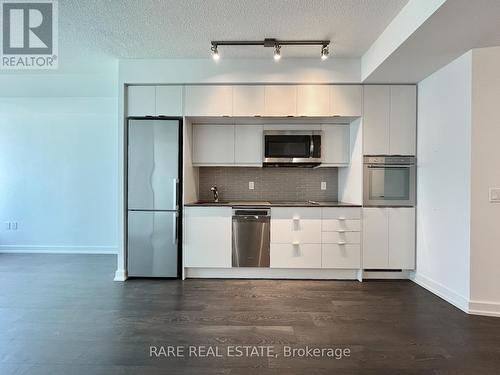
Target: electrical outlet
[13,225]
[495,195]
[323,185]
[251,185]
[7,225]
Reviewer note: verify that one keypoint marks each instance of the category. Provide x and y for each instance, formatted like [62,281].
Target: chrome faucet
[215,192]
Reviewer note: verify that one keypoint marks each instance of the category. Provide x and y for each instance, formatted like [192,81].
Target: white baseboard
[120,275]
[386,275]
[58,249]
[270,273]
[441,291]
[486,308]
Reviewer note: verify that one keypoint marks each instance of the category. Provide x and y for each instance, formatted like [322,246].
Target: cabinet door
[402,238]
[209,101]
[169,101]
[207,237]
[281,100]
[341,256]
[297,225]
[295,256]
[141,101]
[335,144]
[213,144]
[376,116]
[375,238]
[248,100]
[346,100]
[248,144]
[403,120]
[313,100]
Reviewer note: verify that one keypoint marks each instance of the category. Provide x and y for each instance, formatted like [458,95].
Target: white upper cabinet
[169,101]
[402,238]
[209,101]
[248,101]
[403,120]
[154,101]
[248,141]
[335,144]
[280,100]
[346,100]
[389,120]
[213,144]
[376,117]
[141,101]
[313,100]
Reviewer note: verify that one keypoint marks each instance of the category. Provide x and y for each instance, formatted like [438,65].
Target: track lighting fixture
[324,52]
[272,43]
[277,53]
[215,52]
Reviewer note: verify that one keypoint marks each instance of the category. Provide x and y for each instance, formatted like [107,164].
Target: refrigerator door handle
[175,237]
[175,190]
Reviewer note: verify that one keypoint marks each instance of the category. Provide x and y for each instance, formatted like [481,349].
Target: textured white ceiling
[184,28]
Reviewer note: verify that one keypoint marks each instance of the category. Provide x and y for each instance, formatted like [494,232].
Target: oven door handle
[311,148]
[389,166]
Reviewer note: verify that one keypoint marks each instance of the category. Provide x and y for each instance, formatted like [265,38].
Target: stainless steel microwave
[389,181]
[293,148]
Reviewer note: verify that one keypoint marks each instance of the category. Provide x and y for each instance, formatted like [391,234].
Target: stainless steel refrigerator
[153,166]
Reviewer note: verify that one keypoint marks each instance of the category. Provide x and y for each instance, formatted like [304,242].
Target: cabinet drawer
[341,213]
[295,256]
[341,237]
[338,225]
[341,256]
[289,225]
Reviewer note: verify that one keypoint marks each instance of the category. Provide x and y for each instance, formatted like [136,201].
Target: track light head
[215,52]
[277,53]
[324,52]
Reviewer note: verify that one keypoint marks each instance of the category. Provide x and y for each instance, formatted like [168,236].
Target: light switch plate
[495,195]
[323,185]
[251,185]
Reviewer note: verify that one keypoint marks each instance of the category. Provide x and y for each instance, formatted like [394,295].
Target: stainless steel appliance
[389,181]
[153,196]
[292,148]
[251,237]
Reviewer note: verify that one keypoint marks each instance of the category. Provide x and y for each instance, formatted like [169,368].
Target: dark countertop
[269,204]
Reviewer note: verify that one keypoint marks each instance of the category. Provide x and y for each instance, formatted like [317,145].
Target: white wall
[58,163]
[485,216]
[444,174]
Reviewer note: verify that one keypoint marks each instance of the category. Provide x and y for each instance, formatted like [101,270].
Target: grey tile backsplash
[271,184]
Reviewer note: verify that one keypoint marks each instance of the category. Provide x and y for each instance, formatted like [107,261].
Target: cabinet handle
[296,218]
[341,230]
[341,218]
[341,243]
[295,243]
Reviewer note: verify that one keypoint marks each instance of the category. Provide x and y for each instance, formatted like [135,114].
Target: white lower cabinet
[207,237]
[295,225]
[341,255]
[316,237]
[341,238]
[295,256]
[389,238]
[402,238]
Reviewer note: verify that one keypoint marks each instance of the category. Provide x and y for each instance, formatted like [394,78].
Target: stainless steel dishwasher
[251,237]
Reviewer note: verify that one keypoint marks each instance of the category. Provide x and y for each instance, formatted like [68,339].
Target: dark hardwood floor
[63,314]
